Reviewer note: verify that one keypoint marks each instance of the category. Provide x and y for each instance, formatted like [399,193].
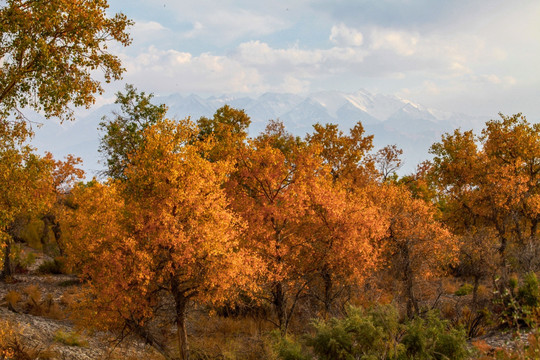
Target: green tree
[228,127]
[124,134]
[50,50]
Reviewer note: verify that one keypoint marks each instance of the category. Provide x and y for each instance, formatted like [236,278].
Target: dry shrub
[449,286]
[37,306]
[7,335]
[482,347]
[12,299]
[219,337]
[13,346]
[461,315]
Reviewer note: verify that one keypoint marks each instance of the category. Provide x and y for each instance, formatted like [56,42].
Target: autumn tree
[25,184]
[421,184]
[346,155]
[345,229]
[270,191]
[417,247]
[50,50]
[478,257]
[64,175]
[163,235]
[492,180]
[124,133]
[345,224]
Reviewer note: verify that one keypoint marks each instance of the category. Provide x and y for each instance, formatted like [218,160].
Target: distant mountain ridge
[392,120]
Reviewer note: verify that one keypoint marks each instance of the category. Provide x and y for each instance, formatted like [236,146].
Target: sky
[477,57]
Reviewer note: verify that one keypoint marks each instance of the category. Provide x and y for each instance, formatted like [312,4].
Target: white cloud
[261,54]
[148,31]
[162,71]
[342,35]
[195,31]
[219,24]
[401,42]
[242,46]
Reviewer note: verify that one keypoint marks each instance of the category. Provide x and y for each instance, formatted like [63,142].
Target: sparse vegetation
[70,338]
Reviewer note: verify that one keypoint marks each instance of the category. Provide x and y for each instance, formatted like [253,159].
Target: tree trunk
[182,334]
[181,302]
[50,223]
[280,305]
[504,271]
[328,285]
[7,270]
[412,303]
[475,292]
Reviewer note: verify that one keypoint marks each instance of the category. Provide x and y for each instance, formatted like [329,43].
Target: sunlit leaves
[50,50]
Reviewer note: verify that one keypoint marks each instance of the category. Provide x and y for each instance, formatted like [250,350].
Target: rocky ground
[37,307]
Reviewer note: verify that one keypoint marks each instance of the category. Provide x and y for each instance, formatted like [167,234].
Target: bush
[529,293]
[376,333]
[55,267]
[70,338]
[430,337]
[520,307]
[362,333]
[37,306]
[13,345]
[465,289]
[12,299]
[287,348]
[21,259]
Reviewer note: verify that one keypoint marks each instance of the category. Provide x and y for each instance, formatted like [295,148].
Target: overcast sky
[473,56]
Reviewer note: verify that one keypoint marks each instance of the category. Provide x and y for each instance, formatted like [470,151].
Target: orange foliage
[417,246]
[163,231]
[492,180]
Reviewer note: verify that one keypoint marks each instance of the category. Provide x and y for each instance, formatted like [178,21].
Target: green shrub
[377,334]
[32,233]
[519,307]
[21,259]
[287,348]
[430,337]
[70,338]
[529,293]
[465,289]
[55,267]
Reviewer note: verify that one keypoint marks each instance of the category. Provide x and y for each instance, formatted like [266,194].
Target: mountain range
[392,120]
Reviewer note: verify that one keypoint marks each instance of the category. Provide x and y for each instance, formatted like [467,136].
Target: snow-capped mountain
[390,119]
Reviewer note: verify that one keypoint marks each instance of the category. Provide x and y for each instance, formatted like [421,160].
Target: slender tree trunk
[57,231]
[180,306]
[412,303]
[45,240]
[328,286]
[504,271]
[50,223]
[475,292]
[7,271]
[280,305]
[534,229]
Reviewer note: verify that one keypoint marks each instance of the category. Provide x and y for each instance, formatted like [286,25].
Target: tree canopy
[49,51]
